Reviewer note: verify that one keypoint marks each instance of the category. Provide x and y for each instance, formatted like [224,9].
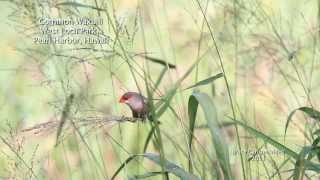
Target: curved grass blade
[309,111]
[129,159]
[309,165]
[169,166]
[266,138]
[192,112]
[75,4]
[206,81]
[158,61]
[220,147]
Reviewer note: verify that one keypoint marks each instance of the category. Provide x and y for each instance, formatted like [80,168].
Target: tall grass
[231,85]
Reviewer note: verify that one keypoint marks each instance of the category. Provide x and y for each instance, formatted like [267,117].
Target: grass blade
[206,81]
[220,146]
[75,4]
[309,111]
[158,61]
[309,165]
[267,139]
[169,166]
[161,76]
[299,168]
[129,159]
[149,137]
[192,112]
[170,94]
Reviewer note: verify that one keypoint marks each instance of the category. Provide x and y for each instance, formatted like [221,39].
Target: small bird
[137,103]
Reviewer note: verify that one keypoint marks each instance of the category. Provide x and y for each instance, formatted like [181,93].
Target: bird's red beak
[122,100]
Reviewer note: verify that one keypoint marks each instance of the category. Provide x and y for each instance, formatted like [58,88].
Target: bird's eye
[126,97]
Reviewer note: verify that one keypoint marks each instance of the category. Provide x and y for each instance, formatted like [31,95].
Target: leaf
[158,61]
[309,165]
[266,138]
[299,167]
[169,166]
[315,149]
[217,136]
[309,111]
[298,170]
[206,81]
[129,159]
[192,112]
[75,4]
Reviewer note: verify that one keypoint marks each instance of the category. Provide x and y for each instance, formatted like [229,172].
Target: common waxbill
[137,103]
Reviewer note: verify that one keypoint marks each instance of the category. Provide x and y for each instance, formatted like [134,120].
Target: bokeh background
[268,49]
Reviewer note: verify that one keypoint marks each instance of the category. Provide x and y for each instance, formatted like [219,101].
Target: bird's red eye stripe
[124,98]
